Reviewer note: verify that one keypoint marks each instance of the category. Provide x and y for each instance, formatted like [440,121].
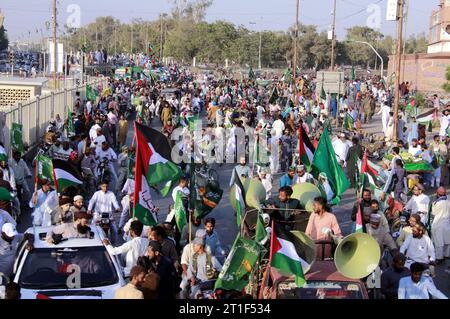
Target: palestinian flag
[261,232]
[426,117]
[287,254]
[152,166]
[65,175]
[306,148]
[359,223]
[349,122]
[240,200]
[154,150]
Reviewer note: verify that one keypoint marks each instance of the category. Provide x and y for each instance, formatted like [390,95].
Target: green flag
[353,73]
[180,212]
[349,123]
[261,232]
[16,138]
[251,74]
[325,161]
[91,95]
[194,123]
[237,269]
[323,95]
[274,96]
[70,126]
[44,168]
[166,188]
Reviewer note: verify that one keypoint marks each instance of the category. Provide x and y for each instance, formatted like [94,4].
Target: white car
[51,271]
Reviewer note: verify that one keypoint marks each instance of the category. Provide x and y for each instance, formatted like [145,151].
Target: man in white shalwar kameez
[440,228]
[384,112]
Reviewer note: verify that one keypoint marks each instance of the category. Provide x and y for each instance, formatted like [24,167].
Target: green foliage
[446,85]
[186,35]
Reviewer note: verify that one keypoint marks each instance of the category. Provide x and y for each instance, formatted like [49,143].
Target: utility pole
[398,65]
[162,43]
[294,64]
[132,35]
[333,41]
[55,44]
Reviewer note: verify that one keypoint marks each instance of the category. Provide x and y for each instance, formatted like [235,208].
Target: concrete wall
[426,72]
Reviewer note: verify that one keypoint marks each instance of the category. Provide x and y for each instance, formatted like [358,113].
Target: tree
[3,39]
[416,44]
[194,11]
[446,85]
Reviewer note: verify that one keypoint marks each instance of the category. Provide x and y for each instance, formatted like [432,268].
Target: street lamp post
[374,50]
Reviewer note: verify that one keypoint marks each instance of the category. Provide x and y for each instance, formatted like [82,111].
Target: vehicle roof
[73,242]
[321,270]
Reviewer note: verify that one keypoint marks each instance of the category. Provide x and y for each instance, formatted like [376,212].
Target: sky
[25,18]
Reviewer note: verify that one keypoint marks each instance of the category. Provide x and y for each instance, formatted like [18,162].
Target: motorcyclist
[107,152]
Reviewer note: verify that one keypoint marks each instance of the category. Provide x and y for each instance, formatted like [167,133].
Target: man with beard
[390,278]
[212,238]
[418,247]
[166,276]
[78,229]
[381,235]
[78,205]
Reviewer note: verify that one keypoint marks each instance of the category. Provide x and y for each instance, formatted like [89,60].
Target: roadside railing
[35,114]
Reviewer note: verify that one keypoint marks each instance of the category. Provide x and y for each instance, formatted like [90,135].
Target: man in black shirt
[163,267]
[391,277]
[286,206]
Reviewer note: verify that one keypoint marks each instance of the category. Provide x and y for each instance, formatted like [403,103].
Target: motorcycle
[103,172]
[106,223]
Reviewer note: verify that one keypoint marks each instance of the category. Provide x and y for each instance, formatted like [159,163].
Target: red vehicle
[323,281]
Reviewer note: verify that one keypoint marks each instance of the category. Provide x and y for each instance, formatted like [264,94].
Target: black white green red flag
[287,254]
[306,148]
[65,175]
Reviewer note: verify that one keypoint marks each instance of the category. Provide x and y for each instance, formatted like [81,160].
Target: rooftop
[22,81]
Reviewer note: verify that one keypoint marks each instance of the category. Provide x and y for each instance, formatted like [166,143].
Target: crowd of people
[161,261]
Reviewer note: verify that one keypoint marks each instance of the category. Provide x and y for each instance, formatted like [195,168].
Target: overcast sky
[24,16]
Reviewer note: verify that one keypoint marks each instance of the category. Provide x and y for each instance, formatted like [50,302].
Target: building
[426,71]
[13,90]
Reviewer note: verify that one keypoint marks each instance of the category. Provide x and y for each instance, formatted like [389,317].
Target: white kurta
[440,228]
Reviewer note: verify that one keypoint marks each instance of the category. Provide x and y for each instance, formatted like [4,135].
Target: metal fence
[34,115]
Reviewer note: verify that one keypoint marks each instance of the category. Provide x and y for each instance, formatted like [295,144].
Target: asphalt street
[224,213]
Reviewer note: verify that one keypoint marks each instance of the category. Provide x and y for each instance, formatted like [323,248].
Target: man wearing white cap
[10,240]
[78,205]
[303,176]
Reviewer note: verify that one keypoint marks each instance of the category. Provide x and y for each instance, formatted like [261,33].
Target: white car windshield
[48,268]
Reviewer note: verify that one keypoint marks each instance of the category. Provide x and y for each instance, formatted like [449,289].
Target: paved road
[224,214]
